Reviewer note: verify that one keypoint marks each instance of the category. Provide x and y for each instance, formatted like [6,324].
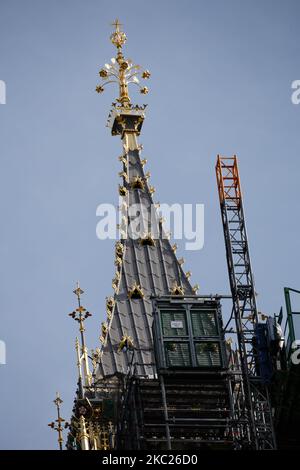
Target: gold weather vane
[122,71]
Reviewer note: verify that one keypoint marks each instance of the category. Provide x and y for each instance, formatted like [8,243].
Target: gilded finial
[118,37]
[58,401]
[78,291]
[80,314]
[57,424]
[122,71]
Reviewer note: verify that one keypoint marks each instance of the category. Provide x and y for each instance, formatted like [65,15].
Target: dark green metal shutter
[208,354]
[177,354]
[204,323]
[167,317]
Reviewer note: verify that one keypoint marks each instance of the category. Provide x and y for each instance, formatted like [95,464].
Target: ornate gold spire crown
[122,71]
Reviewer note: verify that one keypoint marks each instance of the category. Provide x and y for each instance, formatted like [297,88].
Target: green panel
[177,354]
[204,323]
[169,319]
[109,410]
[208,354]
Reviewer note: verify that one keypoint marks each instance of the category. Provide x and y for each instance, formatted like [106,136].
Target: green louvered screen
[208,354]
[204,323]
[177,354]
[188,334]
[174,323]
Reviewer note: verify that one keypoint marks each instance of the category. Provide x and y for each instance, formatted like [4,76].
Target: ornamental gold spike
[57,424]
[80,314]
[121,70]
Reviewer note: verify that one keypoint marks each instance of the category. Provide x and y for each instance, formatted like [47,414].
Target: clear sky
[221,83]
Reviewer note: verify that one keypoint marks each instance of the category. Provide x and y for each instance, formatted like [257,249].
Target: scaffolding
[255,407]
[182,405]
[287,384]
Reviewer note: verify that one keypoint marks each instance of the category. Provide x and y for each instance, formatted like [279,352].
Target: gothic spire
[146,265]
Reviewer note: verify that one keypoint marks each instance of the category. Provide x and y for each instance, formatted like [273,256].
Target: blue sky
[221,83]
